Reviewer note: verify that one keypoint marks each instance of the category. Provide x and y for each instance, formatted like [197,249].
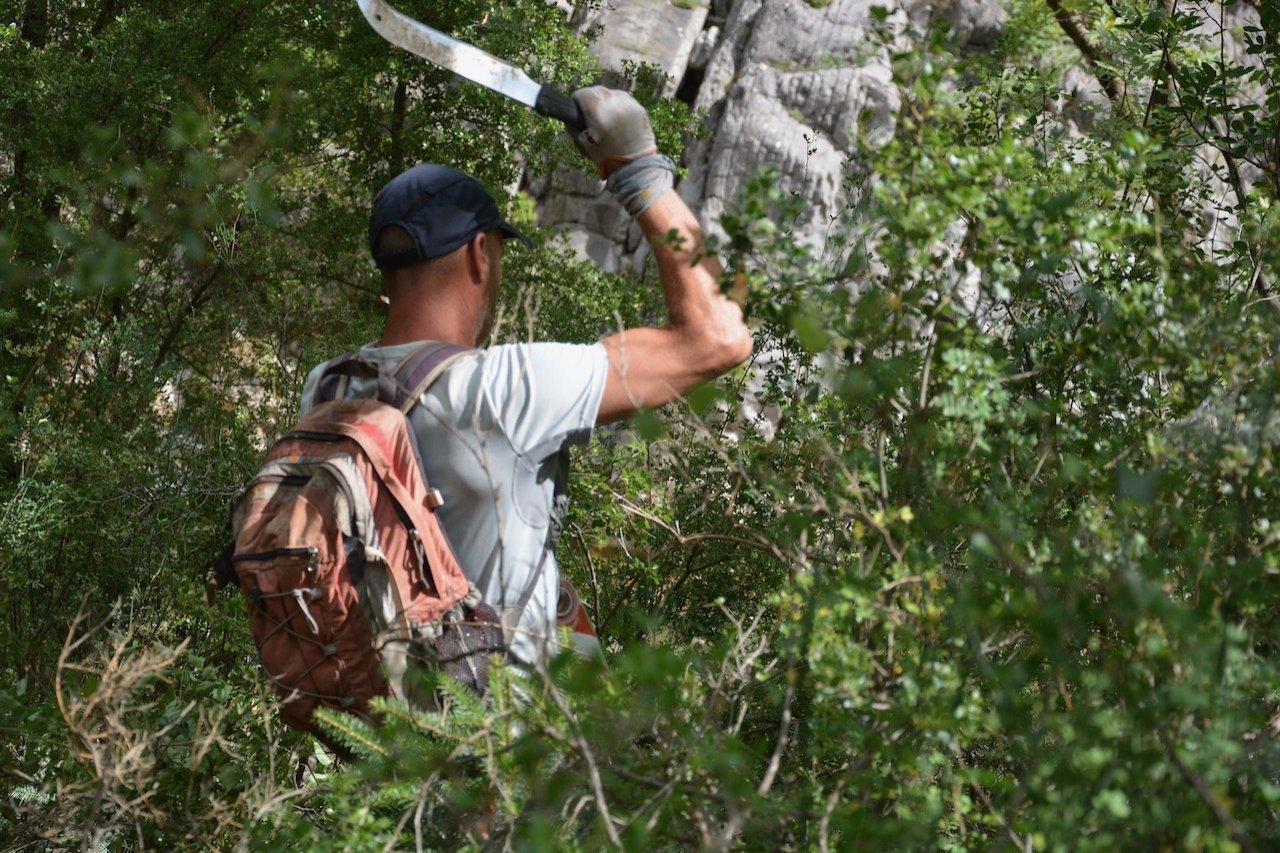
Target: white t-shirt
[490,430]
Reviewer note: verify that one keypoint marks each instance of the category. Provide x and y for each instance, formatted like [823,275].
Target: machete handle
[555,105]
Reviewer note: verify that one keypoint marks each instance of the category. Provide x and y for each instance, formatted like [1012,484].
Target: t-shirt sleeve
[544,395]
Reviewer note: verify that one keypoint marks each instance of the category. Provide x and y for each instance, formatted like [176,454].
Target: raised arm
[704,335]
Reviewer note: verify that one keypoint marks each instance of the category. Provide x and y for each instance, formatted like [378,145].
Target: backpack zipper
[277,552]
[308,435]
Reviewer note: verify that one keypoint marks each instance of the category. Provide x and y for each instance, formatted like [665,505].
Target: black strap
[224,572]
[559,509]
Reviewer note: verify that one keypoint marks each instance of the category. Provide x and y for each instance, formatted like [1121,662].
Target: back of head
[429,211]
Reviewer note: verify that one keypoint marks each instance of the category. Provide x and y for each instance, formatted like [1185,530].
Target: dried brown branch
[757,543]
[593,770]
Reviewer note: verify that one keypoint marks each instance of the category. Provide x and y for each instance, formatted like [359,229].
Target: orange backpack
[347,573]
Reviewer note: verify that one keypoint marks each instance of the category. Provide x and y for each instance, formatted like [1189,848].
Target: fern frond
[464,703]
[29,795]
[455,724]
[430,723]
[396,795]
[352,732]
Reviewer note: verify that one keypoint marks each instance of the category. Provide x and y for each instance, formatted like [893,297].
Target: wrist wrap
[639,183]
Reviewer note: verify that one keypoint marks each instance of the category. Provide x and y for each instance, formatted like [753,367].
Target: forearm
[688,273]
[704,327]
[705,334]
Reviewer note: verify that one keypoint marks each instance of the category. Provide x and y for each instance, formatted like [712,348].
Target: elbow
[727,351]
[739,349]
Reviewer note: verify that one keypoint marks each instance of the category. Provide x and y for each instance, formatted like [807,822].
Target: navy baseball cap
[440,208]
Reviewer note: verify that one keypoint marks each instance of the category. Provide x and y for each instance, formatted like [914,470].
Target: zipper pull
[424,573]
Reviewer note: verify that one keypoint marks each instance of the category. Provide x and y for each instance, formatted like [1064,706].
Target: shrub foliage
[980,551]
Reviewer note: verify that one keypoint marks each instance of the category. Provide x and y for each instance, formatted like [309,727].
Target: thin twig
[593,771]
[1207,795]
[784,735]
[759,544]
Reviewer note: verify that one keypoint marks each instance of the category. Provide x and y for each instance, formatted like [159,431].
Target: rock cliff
[790,84]
[785,83]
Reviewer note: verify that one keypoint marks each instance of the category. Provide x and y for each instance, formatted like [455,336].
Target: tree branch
[1113,85]
[106,12]
[1211,799]
[197,298]
[34,29]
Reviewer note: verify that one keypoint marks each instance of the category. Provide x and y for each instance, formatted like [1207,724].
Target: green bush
[980,551]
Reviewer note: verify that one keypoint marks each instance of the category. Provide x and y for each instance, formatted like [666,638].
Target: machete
[470,62]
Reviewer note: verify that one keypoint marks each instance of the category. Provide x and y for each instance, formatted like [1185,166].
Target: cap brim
[510,230]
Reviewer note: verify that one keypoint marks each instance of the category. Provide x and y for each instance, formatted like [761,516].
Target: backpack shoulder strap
[417,370]
[401,388]
[333,381]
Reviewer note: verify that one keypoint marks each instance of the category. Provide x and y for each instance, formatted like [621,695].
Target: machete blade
[468,62]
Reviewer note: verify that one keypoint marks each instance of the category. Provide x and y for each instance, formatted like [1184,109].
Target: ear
[478,258]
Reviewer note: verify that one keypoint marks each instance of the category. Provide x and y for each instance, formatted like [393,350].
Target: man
[496,423]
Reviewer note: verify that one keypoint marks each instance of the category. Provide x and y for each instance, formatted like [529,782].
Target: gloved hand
[617,128]
[619,140]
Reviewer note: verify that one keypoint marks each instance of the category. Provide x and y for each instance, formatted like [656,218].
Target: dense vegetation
[1001,570]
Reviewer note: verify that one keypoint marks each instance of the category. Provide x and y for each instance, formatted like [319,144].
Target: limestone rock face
[789,87]
[792,85]
[657,32]
[788,84]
